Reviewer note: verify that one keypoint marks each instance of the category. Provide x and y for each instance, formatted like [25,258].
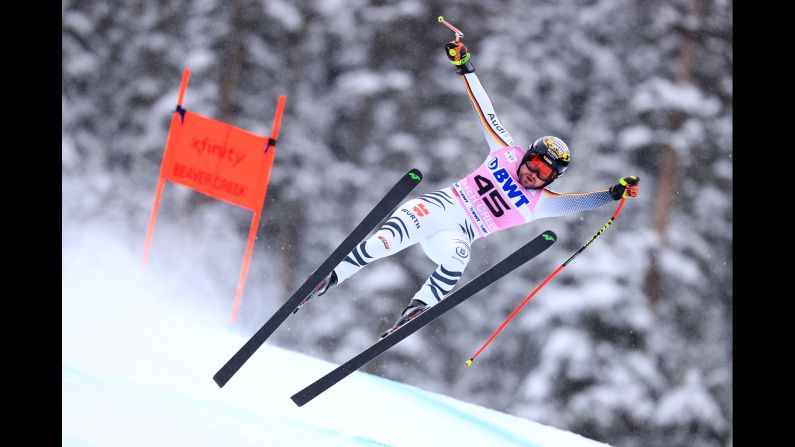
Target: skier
[508,189]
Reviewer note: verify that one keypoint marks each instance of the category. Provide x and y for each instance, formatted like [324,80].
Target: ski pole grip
[458,33]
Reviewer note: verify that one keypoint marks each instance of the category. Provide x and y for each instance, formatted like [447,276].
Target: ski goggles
[542,170]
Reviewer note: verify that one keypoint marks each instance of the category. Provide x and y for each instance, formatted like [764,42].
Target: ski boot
[324,286]
[412,311]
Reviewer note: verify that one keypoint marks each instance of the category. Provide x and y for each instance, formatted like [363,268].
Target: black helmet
[553,151]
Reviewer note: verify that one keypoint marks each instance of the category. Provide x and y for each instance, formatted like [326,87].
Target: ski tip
[297,400]
[219,379]
[469,362]
[415,175]
[549,235]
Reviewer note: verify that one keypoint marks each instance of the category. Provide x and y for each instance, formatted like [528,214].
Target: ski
[507,265]
[390,201]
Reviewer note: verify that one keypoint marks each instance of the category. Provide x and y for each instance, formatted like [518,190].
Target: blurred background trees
[630,345]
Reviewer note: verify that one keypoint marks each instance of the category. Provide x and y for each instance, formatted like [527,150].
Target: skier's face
[531,178]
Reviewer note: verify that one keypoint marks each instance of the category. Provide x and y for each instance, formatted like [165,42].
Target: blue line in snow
[75,377]
[467,418]
[70,441]
[365,442]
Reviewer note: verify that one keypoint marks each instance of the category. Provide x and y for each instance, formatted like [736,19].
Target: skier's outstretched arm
[496,135]
[552,204]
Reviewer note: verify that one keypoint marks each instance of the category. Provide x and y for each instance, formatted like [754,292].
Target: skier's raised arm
[496,135]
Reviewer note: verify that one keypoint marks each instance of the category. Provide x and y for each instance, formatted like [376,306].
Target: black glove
[459,55]
[626,187]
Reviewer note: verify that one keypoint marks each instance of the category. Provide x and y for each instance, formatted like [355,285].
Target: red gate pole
[252,232]
[161,180]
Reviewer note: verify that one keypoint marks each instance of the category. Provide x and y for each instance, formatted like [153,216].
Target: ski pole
[543,283]
[458,34]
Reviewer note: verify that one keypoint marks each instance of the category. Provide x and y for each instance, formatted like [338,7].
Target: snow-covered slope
[138,365]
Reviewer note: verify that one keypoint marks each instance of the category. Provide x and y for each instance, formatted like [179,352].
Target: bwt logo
[206,147]
[507,184]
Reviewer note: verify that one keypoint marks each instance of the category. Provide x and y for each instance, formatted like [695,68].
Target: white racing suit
[448,221]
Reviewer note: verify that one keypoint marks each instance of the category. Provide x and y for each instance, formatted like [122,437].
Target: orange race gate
[222,161]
